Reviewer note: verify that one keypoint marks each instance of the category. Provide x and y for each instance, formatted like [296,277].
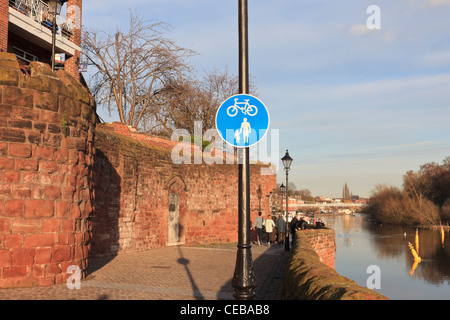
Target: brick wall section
[46,155]
[134,175]
[74,11]
[4,13]
[308,278]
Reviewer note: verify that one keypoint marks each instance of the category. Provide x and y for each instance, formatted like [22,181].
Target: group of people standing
[275,227]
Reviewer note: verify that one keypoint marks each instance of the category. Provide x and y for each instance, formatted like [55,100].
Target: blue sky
[351,104]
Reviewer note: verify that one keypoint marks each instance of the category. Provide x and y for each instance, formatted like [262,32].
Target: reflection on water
[361,243]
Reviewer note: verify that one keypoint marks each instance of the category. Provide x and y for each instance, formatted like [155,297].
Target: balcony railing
[38,11]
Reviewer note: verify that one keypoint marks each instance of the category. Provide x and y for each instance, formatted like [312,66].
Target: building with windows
[293,203]
[26,31]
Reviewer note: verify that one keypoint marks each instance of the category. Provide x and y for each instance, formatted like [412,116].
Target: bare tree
[189,100]
[181,105]
[446,163]
[417,186]
[305,194]
[133,67]
[432,181]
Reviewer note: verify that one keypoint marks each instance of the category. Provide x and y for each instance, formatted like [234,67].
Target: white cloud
[388,36]
[359,29]
[437,3]
[440,58]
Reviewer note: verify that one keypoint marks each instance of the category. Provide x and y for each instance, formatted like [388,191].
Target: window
[24,55]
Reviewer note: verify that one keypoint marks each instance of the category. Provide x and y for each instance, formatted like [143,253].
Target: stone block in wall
[47,101]
[9,69]
[15,96]
[12,135]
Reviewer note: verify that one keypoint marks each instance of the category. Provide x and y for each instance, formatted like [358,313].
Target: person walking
[259,223]
[274,236]
[281,228]
[270,225]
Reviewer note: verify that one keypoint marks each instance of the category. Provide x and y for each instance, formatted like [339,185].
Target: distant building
[293,203]
[323,199]
[26,31]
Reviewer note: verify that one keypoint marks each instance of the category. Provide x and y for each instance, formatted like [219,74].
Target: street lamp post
[54,8]
[287,160]
[282,191]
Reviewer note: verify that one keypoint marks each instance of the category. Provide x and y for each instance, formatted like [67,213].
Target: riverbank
[333,214]
[445,226]
[439,227]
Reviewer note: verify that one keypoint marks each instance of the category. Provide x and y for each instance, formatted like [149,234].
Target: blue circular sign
[242,120]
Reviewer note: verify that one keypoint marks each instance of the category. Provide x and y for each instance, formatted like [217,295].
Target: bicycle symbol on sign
[246,109]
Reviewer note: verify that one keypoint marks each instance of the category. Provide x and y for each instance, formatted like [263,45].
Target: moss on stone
[129,146]
[307,278]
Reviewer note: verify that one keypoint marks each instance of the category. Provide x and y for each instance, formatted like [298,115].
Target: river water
[362,244]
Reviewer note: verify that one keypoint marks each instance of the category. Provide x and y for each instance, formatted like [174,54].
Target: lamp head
[282,188]
[259,192]
[54,6]
[287,160]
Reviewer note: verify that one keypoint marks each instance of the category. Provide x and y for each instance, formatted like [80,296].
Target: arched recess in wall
[176,210]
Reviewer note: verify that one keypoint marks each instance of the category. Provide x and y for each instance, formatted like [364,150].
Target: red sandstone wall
[46,147]
[323,243]
[134,175]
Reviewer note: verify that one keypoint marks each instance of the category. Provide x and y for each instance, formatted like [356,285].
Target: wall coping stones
[157,143]
[40,77]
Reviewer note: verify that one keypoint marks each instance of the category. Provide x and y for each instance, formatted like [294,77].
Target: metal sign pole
[244,280]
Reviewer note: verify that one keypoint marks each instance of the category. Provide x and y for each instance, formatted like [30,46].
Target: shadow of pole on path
[269,268]
[195,290]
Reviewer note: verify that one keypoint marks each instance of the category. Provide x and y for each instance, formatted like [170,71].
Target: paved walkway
[173,273]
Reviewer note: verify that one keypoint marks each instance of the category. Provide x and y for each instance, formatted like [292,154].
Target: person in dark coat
[294,226]
[302,224]
[320,224]
[281,228]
